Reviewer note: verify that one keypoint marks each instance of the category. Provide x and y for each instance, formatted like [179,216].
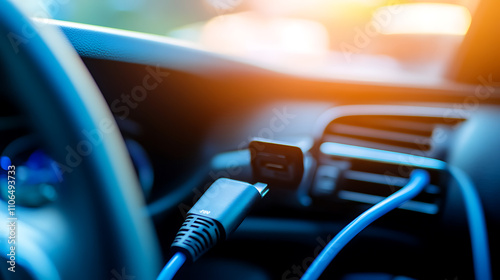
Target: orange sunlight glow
[248,33]
[425,18]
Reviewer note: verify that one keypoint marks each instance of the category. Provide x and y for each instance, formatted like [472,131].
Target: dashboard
[191,121]
[188,117]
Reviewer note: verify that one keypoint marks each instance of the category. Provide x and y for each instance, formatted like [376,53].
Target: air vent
[365,158]
[426,136]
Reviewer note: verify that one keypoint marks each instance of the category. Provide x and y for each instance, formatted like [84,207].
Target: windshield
[362,39]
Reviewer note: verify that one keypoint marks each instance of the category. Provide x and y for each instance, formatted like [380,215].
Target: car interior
[114,140]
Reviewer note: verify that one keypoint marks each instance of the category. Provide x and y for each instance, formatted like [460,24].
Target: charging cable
[419,179]
[473,207]
[477,224]
[215,216]
[172,266]
[226,203]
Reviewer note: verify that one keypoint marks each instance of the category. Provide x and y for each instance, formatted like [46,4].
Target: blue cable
[477,224]
[419,179]
[172,267]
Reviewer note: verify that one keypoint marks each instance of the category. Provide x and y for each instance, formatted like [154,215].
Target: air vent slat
[392,124]
[416,206]
[405,140]
[375,178]
[382,185]
[365,143]
[405,134]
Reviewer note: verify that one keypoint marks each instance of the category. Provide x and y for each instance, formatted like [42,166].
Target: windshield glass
[362,39]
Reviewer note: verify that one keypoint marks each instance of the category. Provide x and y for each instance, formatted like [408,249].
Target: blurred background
[351,39]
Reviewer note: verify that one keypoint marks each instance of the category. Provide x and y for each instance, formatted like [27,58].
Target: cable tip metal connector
[262,188]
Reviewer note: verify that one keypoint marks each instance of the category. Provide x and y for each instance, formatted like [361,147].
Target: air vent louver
[426,136]
[368,181]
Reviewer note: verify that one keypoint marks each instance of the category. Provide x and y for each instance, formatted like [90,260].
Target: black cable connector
[217,214]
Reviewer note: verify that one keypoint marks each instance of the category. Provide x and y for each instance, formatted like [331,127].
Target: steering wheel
[97,228]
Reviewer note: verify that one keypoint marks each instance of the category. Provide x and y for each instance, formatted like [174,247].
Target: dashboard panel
[215,119]
[189,115]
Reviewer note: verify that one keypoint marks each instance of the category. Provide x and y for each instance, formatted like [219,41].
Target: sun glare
[425,18]
[247,32]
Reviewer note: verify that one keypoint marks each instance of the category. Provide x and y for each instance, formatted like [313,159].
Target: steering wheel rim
[97,228]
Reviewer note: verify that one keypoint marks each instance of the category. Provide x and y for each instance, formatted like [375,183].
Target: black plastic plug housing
[217,214]
[277,163]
